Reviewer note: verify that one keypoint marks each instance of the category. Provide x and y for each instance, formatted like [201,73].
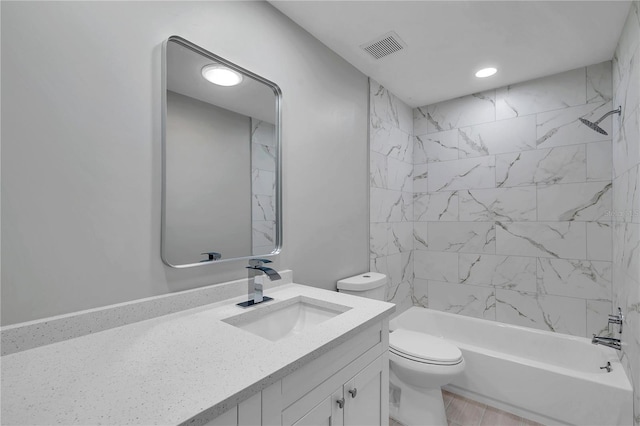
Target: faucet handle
[212,256]
[617,319]
[253,263]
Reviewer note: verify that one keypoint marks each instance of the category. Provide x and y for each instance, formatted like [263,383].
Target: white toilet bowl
[419,365]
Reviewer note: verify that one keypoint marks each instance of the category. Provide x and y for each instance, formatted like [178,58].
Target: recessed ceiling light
[486,72]
[221,75]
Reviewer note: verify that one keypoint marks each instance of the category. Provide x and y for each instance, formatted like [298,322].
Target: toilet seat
[423,348]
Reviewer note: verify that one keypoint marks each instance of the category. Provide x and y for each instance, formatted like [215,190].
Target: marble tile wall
[263,186]
[391,193]
[512,209]
[625,214]
[512,201]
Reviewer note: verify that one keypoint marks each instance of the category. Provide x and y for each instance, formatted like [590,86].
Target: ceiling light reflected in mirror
[221,75]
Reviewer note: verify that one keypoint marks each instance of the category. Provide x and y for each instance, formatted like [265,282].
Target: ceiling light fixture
[221,75]
[486,72]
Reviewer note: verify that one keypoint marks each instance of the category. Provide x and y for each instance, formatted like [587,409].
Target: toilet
[419,364]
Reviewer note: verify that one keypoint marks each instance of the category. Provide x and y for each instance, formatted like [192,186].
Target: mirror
[221,189]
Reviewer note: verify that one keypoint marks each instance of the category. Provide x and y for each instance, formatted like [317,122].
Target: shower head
[594,125]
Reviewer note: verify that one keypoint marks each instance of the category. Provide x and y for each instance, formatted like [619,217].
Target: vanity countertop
[185,366]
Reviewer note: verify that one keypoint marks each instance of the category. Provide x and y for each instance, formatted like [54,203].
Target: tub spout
[607,341]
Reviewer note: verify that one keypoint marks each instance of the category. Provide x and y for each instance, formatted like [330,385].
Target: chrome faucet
[610,341]
[617,319]
[256,284]
[607,341]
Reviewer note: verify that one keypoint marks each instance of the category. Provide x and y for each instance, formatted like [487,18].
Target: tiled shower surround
[391,196]
[626,196]
[507,208]
[263,187]
[512,203]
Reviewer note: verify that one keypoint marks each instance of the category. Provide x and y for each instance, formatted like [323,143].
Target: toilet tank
[370,285]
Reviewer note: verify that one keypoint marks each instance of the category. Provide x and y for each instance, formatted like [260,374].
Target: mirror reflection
[221,187]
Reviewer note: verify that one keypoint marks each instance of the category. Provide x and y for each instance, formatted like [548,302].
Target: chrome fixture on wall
[610,341]
[617,319]
[607,341]
[256,285]
[212,255]
[594,125]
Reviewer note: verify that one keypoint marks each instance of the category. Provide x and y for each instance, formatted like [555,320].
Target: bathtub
[546,377]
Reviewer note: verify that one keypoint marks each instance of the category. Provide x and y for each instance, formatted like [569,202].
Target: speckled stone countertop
[186,366]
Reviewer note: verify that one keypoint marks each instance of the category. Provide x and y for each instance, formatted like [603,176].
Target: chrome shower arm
[615,111]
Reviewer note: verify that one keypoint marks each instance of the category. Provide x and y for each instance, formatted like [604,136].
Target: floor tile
[446,397]
[455,408]
[495,417]
[462,411]
[471,414]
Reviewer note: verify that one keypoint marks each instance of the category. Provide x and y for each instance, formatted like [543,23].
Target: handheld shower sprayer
[594,125]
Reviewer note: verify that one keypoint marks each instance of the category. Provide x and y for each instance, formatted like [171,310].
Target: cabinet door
[327,413]
[364,396]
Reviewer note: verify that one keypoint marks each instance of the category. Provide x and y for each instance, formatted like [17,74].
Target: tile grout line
[483,414]
[484,410]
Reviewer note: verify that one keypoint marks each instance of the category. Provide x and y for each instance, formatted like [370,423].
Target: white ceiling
[447,41]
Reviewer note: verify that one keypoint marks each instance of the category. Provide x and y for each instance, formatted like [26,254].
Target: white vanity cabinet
[364,395]
[357,402]
[234,376]
[348,385]
[247,413]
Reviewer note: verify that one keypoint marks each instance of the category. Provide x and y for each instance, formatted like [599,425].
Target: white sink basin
[278,320]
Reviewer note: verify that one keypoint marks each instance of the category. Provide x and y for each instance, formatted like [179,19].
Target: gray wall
[208,183]
[81,149]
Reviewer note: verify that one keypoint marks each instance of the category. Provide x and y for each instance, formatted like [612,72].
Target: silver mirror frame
[278,138]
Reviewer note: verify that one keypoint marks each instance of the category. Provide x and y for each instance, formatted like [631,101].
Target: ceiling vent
[384,45]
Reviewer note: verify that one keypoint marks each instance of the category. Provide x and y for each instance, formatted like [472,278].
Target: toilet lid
[423,347]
